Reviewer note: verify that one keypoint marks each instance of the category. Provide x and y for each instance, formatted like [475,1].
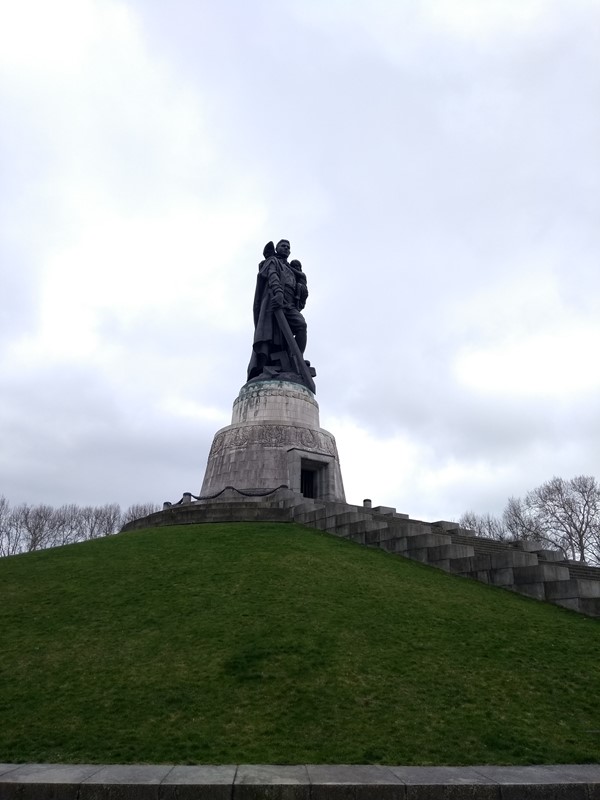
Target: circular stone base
[277,401]
[274,440]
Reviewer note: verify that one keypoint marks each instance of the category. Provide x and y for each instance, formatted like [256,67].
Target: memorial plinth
[274,440]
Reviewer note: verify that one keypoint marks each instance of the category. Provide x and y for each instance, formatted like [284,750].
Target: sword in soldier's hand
[295,353]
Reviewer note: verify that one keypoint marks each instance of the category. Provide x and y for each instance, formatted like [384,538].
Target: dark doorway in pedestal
[308,482]
[310,474]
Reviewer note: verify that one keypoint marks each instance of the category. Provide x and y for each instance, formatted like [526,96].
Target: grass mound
[272,643]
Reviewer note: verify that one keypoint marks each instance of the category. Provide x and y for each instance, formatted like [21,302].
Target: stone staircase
[521,567]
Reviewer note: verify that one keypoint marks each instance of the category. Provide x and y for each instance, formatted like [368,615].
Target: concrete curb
[300,782]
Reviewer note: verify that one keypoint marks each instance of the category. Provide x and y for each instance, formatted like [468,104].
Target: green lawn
[274,643]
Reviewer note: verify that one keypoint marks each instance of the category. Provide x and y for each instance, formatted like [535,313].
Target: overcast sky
[436,167]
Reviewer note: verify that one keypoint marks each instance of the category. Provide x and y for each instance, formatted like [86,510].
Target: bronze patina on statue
[279,327]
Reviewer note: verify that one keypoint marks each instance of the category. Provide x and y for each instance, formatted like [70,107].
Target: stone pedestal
[274,440]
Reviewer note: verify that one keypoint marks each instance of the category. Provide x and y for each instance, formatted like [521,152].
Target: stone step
[446,552]
[417,554]
[306,508]
[545,553]
[366,526]
[346,517]
[383,511]
[323,510]
[590,606]
[383,533]
[501,577]
[341,508]
[426,539]
[377,535]
[402,544]
[583,571]
[481,543]
[339,523]
[536,589]
[309,516]
[573,587]
[484,562]
[305,517]
[412,528]
[342,531]
[549,555]
[448,527]
[540,572]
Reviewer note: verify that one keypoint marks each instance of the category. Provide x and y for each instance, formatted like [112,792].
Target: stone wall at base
[296,782]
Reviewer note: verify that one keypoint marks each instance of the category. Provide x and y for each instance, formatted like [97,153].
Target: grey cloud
[68,435]
[409,183]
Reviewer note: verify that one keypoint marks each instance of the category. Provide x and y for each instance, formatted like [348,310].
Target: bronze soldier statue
[279,327]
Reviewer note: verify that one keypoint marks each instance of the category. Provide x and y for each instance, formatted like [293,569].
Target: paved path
[303,782]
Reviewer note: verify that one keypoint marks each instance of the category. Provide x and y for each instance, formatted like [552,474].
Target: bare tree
[594,549]
[110,519]
[96,521]
[485,525]
[522,522]
[67,525]
[560,514]
[26,527]
[138,510]
[10,538]
[34,525]
[89,522]
[569,514]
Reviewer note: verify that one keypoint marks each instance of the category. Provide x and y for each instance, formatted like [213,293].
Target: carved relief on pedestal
[273,436]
